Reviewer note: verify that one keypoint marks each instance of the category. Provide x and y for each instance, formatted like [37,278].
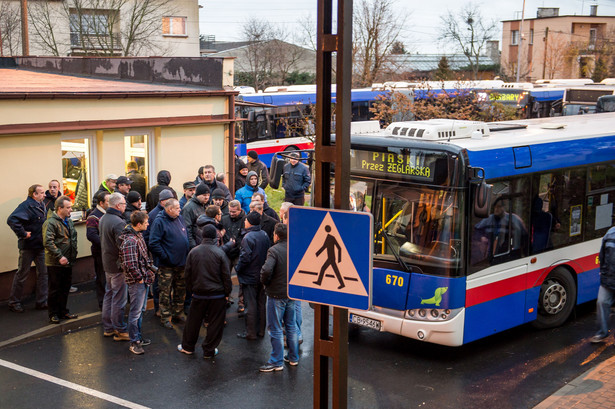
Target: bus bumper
[448,332]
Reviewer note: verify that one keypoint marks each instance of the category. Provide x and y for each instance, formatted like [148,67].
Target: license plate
[365,322]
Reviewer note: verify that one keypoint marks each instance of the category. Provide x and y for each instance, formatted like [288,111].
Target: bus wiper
[383,233]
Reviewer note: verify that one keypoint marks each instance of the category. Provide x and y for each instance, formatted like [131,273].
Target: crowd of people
[185,249]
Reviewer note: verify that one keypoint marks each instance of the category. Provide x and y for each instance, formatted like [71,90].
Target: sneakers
[54,319]
[121,336]
[16,308]
[145,342]
[69,316]
[596,339]
[291,363]
[211,356]
[183,351]
[73,289]
[167,324]
[270,368]
[136,348]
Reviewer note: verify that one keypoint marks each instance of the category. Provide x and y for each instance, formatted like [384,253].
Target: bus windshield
[417,225]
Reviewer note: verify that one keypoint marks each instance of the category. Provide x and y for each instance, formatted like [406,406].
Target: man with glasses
[111,226]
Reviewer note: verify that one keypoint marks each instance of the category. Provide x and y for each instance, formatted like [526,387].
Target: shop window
[136,157]
[76,174]
[174,26]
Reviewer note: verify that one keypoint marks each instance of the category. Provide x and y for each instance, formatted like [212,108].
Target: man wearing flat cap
[296,180]
[122,185]
[189,189]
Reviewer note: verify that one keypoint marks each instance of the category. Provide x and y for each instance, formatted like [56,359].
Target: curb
[54,329]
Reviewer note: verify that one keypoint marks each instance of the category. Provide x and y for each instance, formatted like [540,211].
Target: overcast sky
[225,18]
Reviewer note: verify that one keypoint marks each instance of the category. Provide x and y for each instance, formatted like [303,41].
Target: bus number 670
[394,280]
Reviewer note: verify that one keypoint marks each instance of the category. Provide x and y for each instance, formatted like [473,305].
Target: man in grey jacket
[111,226]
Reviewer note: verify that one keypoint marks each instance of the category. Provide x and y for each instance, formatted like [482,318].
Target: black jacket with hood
[163,180]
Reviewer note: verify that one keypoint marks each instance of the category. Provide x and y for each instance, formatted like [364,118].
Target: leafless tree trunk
[10,26]
[469,32]
[377,28]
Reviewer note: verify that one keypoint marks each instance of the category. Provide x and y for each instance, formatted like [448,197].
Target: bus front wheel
[557,298]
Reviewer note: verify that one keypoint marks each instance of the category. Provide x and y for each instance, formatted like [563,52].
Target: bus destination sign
[384,163]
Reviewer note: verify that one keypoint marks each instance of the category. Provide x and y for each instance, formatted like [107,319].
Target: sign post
[327,154]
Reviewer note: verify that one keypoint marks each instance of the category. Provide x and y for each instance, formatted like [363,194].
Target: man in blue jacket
[244,195]
[168,242]
[252,256]
[27,223]
[296,180]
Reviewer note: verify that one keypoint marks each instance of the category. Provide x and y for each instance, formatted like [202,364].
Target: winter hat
[133,197]
[240,164]
[210,232]
[189,185]
[254,218]
[250,174]
[165,194]
[253,154]
[201,189]
[217,194]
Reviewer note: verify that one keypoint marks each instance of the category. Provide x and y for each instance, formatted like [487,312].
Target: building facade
[102,28]
[554,46]
[77,129]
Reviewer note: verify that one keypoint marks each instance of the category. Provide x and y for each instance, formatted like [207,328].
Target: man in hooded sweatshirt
[244,195]
[163,179]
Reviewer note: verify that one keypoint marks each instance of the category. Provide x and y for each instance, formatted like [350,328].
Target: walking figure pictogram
[330,244]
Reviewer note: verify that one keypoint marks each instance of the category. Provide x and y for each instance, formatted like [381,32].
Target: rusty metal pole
[25,40]
[327,154]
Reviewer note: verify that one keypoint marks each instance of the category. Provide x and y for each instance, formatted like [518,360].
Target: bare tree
[469,32]
[10,26]
[376,31]
[100,27]
[555,55]
[257,54]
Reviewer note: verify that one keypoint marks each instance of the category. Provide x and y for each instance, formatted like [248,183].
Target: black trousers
[215,312]
[101,279]
[255,300]
[299,201]
[60,279]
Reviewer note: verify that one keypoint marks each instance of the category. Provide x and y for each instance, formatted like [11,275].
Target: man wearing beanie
[256,165]
[217,198]
[252,256]
[208,279]
[133,203]
[241,171]
[244,195]
[191,212]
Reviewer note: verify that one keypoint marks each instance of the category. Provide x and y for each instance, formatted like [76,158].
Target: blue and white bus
[483,227]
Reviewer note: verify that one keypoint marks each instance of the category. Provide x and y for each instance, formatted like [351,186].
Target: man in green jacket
[60,242]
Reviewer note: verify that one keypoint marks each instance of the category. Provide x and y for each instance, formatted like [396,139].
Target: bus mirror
[275,172]
[482,199]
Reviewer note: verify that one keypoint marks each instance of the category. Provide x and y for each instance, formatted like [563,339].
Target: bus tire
[558,295]
[291,148]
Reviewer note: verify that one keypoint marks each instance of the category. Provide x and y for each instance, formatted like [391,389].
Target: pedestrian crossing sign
[330,256]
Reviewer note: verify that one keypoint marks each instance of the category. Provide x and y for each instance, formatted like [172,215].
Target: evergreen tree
[443,72]
[601,71]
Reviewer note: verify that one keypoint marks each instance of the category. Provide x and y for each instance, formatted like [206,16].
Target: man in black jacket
[194,208]
[208,279]
[296,180]
[138,180]
[163,179]
[252,256]
[111,226]
[92,232]
[209,179]
[27,223]
[280,309]
[51,196]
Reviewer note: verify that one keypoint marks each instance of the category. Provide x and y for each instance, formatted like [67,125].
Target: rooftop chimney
[547,12]
[593,10]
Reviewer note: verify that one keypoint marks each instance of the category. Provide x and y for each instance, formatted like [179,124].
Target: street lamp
[520,41]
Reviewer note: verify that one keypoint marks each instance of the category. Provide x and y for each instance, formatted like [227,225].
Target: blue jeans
[114,303]
[26,257]
[606,297]
[138,302]
[299,316]
[281,312]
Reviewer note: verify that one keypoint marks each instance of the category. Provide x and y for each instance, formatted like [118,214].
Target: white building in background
[97,27]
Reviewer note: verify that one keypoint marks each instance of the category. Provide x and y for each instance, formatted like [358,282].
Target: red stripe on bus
[523,282]
[280,148]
